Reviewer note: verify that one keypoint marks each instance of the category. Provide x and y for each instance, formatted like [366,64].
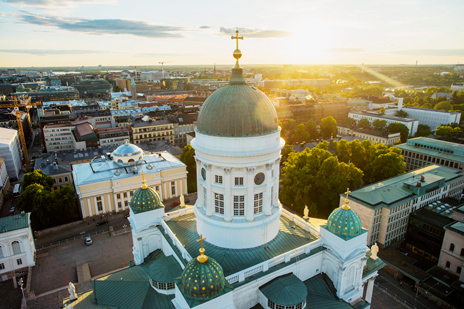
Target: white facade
[10,149]
[153,75]
[411,124]
[17,246]
[60,138]
[432,118]
[237,185]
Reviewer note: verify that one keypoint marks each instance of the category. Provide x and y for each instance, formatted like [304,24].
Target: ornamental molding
[251,169]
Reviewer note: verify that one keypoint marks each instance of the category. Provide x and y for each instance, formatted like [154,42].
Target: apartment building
[410,123]
[422,151]
[375,136]
[114,136]
[452,250]
[59,137]
[384,207]
[149,131]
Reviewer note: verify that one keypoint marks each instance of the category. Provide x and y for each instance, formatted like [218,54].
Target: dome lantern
[145,199]
[344,221]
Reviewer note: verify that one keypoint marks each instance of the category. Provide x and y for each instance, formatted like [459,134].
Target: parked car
[88,241]
[175,204]
[102,222]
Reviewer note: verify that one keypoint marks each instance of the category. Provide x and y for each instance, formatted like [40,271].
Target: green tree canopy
[328,127]
[423,130]
[401,113]
[316,178]
[38,177]
[286,152]
[379,124]
[444,105]
[396,127]
[351,122]
[444,130]
[311,128]
[188,158]
[364,123]
[300,134]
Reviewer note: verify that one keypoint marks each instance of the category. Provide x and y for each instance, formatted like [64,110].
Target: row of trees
[304,132]
[47,208]
[381,124]
[315,177]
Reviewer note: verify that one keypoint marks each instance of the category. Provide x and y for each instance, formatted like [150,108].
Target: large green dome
[145,199]
[344,222]
[203,278]
[237,110]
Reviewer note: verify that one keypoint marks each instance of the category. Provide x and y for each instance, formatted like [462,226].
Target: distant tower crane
[162,65]
[134,66]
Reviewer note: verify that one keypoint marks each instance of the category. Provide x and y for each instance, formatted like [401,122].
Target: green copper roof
[237,110]
[344,223]
[16,222]
[322,294]
[286,290]
[145,199]
[203,280]
[162,268]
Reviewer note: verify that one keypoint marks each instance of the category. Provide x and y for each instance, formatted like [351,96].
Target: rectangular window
[239,181]
[258,207]
[219,203]
[2,266]
[66,178]
[125,194]
[126,203]
[118,196]
[131,193]
[205,196]
[173,187]
[119,205]
[239,205]
[217,179]
[99,203]
[19,261]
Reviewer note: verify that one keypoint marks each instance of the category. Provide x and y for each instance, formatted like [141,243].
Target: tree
[426,105]
[364,123]
[401,113]
[382,111]
[188,158]
[315,177]
[328,127]
[444,105]
[285,153]
[423,130]
[37,200]
[396,127]
[379,124]
[300,134]
[444,130]
[311,128]
[351,122]
[37,177]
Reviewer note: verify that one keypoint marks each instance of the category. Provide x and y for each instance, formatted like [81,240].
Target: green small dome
[145,199]
[344,222]
[237,110]
[203,280]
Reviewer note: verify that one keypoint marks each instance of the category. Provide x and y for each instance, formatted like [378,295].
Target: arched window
[447,265]
[131,161]
[1,252]
[451,247]
[16,247]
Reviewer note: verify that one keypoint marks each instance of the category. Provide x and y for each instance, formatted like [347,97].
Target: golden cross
[143,174]
[347,192]
[236,37]
[144,186]
[201,240]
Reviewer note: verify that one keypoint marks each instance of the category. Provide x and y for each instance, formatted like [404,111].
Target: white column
[181,187]
[165,192]
[209,182]
[249,206]
[177,189]
[81,203]
[161,191]
[88,205]
[267,197]
[115,202]
[227,197]
[96,206]
[370,288]
[184,181]
[200,200]
[276,181]
[104,203]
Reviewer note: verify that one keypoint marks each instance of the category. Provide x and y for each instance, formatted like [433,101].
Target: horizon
[75,33]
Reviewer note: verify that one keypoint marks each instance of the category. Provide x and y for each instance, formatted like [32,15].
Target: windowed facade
[16,247]
[1,252]
[239,181]
[219,203]
[19,261]
[2,266]
[258,206]
[173,188]
[218,179]
[239,205]
[99,203]
[119,205]
[118,196]
[273,305]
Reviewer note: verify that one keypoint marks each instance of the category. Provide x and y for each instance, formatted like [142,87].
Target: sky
[197,32]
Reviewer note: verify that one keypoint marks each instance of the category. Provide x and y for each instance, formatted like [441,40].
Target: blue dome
[344,222]
[127,149]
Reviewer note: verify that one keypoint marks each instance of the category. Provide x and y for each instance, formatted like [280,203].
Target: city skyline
[112,33]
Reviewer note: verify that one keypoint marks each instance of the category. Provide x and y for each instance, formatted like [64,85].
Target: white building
[155,76]
[59,137]
[457,86]
[255,253]
[432,117]
[17,247]
[410,123]
[10,149]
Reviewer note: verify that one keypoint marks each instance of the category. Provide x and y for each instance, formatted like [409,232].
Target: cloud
[54,3]
[345,50]
[256,33]
[430,52]
[103,26]
[42,52]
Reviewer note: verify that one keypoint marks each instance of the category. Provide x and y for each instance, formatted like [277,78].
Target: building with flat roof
[410,123]
[149,131]
[384,207]
[60,172]
[107,183]
[432,117]
[60,137]
[10,149]
[422,151]
[375,136]
[113,136]
[17,247]
[4,181]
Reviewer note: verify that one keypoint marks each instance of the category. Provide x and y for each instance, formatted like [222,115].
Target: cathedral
[237,247]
